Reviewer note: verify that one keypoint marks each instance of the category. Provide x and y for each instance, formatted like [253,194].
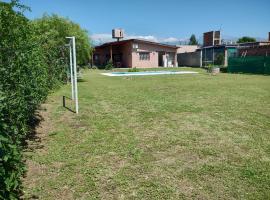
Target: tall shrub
[23,86]
[52,31]
[32,61]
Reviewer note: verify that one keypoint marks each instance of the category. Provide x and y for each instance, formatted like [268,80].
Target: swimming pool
[147,73]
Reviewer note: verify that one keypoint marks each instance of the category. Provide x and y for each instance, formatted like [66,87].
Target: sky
[161,20]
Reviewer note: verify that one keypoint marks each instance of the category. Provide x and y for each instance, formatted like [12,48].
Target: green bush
[109,66]
[133,70]
[209,67]
[23,86]
[32,61]
[220,59]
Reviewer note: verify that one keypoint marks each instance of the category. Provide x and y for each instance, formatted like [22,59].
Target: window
[144,55]
[117,57]
[135,46]
[96,56]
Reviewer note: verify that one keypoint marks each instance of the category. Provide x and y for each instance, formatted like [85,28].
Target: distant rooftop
[135,40]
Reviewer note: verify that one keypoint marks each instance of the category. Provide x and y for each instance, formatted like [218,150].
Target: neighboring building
[186,48]
[254,44]
[210,53]
[204,56]
[192,59]
[213,51]
[255,50]
[211,38]
[213,54]
[136,53]
[187,55]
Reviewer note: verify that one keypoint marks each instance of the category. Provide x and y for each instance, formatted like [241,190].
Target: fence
[249,64]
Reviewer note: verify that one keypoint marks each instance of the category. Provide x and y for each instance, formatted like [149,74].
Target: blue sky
[162,20]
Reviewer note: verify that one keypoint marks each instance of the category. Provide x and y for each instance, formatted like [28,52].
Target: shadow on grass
[250,73]
[32,141]
[80,80]
[65,106]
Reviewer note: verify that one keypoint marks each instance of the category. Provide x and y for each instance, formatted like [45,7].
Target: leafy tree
[55,29]
[193,40]
[246,39]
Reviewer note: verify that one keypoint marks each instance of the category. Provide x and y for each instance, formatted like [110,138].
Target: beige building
[187,48]
[136,53]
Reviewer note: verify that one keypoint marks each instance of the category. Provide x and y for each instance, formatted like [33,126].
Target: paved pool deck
[147,73]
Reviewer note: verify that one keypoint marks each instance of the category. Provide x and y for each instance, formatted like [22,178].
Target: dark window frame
[144,56]
[96,57]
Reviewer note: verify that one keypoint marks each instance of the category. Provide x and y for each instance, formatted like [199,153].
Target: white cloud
[143,37]
[170,40]
[101,38]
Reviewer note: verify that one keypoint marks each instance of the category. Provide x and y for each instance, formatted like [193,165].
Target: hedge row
[30,65]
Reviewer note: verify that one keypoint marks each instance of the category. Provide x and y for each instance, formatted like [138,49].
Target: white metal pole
[213,56]
[71,71]
[201,58]
[75,74]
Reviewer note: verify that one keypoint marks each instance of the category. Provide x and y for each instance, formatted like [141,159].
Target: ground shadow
[64,104]
[81,80]
[32,141]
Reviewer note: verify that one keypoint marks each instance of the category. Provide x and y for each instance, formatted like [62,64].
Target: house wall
[255,51]
[192,59]
[104,54]
[127,55]
[153,50]
[153,62]
[211,38]
[208,38]
[131,56]
[101,53]
[186,48]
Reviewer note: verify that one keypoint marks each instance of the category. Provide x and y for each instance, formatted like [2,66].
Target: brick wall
[208,38]
[256,51]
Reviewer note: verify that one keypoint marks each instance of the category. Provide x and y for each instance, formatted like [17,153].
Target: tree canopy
[193,40]
[53,30]
[246,39]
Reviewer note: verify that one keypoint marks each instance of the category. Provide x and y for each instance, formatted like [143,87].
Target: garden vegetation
[33,61]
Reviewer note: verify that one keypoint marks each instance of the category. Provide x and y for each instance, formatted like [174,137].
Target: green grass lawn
[193,136]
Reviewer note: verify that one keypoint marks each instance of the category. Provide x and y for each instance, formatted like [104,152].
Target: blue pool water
[147,73]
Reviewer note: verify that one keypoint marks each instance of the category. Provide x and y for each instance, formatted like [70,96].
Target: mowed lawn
[193,136]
